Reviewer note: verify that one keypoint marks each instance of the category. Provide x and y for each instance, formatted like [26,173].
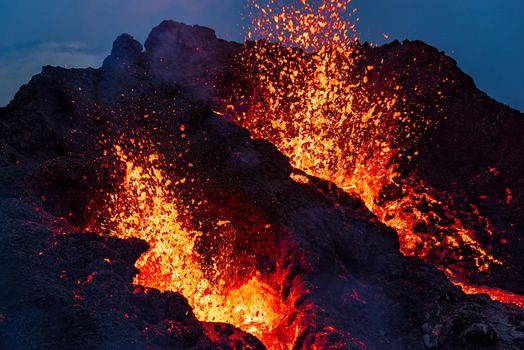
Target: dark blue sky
[486,37]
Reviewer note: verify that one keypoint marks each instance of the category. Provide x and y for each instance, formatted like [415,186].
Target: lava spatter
[145,205]
[315,100]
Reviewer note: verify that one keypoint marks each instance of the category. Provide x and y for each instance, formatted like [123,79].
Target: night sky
[486,37]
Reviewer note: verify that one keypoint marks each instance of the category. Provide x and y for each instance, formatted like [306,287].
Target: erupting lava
[146,207]
[315,101]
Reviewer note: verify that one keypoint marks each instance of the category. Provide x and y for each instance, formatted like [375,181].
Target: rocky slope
[338,271]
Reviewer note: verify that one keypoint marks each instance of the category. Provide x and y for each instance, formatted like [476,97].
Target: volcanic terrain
[157,202]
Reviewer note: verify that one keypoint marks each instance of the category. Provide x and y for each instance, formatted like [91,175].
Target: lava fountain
[312,97]
[145,205]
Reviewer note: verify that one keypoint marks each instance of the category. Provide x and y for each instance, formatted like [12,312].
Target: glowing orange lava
[146,207]
[314,100]
[494,293]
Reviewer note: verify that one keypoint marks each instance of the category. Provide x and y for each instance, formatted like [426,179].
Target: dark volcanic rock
[472,149]
[74,291]
[330,262]
[190,55]
[126,52]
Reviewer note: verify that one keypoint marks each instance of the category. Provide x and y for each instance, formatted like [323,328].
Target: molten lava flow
[318,104]
[146,207]
[493,293]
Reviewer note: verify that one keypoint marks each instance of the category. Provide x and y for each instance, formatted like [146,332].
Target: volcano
[205,194]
